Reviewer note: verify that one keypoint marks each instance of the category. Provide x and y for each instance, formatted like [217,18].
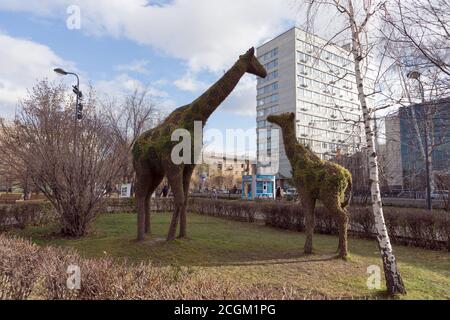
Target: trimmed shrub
[23,214]
[283,216]
[31,272]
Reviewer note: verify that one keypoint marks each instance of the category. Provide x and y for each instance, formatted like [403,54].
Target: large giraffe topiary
[316,179]
[152,150]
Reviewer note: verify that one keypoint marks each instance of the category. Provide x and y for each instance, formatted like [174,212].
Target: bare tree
[127,119]
[416,36]
[421,31]
[443,184]
[356,22]
[74,163]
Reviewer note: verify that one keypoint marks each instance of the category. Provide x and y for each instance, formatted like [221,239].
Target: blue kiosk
[264,185]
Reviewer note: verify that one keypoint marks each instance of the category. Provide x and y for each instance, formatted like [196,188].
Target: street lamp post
[76,90]
[416,76]
[78,107]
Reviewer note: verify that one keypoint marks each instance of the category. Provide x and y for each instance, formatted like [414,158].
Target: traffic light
[79,106]
[77,92]
[80,111]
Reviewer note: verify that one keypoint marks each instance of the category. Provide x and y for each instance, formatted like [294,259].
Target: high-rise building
[405,136]
[315,80]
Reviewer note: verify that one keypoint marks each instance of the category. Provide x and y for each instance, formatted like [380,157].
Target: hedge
[414,227]
[23,214]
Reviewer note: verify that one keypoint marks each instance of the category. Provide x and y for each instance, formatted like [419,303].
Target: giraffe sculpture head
[284,120]
[253,65]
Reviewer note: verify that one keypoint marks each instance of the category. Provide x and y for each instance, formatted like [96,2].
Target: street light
[60,71]
[415,75]
[76,90]
[78,105]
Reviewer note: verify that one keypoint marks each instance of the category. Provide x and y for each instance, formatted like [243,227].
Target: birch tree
[356,23]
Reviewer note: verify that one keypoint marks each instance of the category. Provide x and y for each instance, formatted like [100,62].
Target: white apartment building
[316,81]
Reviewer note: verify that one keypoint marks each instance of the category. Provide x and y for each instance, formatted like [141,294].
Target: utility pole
[416,76]
[78,104]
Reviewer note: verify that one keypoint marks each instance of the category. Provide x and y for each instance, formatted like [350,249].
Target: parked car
[439,195]
[291,194]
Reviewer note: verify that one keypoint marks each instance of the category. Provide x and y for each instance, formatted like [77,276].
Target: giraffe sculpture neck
[294,149]
[208,102]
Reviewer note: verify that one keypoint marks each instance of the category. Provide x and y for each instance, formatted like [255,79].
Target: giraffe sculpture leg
[175,179]
[334,206]
[310,205]
[343,227]
[142,189]
[152,185]
[187,174]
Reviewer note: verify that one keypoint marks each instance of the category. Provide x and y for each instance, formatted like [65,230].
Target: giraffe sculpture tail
[348,194]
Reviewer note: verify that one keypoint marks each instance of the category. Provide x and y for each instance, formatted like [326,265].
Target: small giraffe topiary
[316,179]
[152,150]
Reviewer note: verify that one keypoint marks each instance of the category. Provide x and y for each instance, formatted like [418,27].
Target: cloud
[136,66]
[242,100]
[190,83]
[208,35]
[123,84]
[22,63]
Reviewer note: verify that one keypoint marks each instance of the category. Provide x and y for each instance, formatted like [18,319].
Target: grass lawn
[259,255]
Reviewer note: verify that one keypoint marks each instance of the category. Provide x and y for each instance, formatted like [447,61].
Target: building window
[272,53]
[262,124]
[271,76]
[268,89]
[271,64]
[270,99]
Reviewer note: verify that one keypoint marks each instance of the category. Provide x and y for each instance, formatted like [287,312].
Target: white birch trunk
[394,282]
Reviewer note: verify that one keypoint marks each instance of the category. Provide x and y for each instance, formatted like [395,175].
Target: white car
[291,192]
[439,195]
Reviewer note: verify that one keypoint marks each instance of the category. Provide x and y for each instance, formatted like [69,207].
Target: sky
[176,49]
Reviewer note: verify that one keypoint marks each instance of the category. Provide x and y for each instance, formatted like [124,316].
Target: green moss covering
[319,177]
[316,179]
[152,151]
